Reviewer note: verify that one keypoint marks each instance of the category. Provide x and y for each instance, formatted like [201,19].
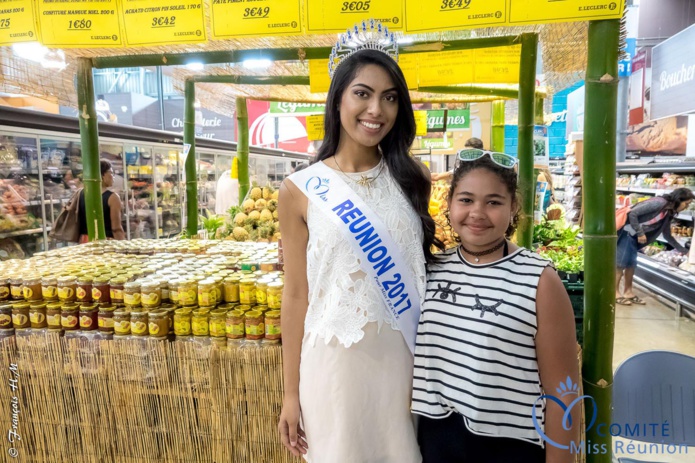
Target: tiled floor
[652,327]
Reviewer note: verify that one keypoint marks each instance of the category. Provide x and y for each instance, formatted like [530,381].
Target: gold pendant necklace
[364,181]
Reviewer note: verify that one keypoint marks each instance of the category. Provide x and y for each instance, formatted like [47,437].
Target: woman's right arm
[292,205]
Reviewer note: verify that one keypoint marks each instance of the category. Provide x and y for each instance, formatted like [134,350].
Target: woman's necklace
[479,254]
[364,180]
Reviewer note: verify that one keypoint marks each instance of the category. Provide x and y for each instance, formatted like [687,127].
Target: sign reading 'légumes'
[673,76]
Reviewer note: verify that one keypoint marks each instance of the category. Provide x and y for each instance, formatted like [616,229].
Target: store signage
[673,75]
[550,11]
[89,24]
[324,16]
[541,147]
[422,16]
[436,143]
[17,22]
[314,127]
[319,80]
[456,119]
[487,65]
[420,123]
[164,22]
[282,108]
[244,18]
[625,65]
[208,124]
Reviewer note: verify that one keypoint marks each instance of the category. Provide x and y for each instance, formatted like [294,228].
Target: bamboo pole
[539,118]
[191,171]
[527,184]
[242,121]
[89,134]
[252,80]
[498,126]
[600,123]
[493,90]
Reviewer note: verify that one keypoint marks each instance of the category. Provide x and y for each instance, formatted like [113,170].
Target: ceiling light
[196,66]
[257,63]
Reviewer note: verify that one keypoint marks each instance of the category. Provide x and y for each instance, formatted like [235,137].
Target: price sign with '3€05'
[163,22]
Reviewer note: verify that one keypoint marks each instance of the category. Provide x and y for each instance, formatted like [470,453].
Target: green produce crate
[576,294]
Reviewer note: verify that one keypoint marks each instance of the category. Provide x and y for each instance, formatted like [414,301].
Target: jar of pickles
[53,310]
[247,291]
[116,291]
[275,295]
[4,289]
[234,326]
[158,323]
[200,322]
[121,322]
[182,322]
[101,291]
[16,285]
[254,327]
[70,317]
[83,292]
[218,320]
[131,294]
[138,323]
[31,288]
[273,330]
[49,288]
[207,293]
[151,294]
[89,314]
[37,315]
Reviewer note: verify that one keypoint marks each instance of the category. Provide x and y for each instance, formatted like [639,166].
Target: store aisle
[652,327]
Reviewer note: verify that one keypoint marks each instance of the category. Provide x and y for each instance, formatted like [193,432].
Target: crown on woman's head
[370,35]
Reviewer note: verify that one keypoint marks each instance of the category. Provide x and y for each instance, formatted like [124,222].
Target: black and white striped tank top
[475,352]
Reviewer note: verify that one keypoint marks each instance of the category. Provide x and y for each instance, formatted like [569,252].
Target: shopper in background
[111,204]
[496,324]
[646,221]
[544,175]
[470,143]
[347,366]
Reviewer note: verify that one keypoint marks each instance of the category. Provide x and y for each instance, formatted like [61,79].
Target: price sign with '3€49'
[163,22]
[435,15]
[89,24]
[241,18]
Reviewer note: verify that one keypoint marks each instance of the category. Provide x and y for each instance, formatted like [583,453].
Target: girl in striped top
[496,333]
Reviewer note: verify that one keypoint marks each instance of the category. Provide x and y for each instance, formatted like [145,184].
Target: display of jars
[101,291]
[200,322]
[138,323]
[37,315]
[207,293]
[131,294]
[83,291]
[121,322]
[116,292]
[247,291]
[218,321]
[275,295]
[182,322]
[16,288]
[262,292]
[4,289]
[106,318]
[174,291]
[273,329]
[53,310]
[31,288]
[5,316]
[20,315]
[150,294]
[235,324]
[188,293]
[89,314]
[158,323]
[67,286]
[49,288]
[231,289]
[254,325]
[70,317]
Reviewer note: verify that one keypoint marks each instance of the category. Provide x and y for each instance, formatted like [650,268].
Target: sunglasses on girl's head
[501,159]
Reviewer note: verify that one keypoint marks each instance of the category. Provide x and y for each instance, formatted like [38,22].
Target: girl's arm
[295,236]
[556,348]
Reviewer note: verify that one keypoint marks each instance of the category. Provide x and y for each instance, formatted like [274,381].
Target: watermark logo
[13,435]
[320,186]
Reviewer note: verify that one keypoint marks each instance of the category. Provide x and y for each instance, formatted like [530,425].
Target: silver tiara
[370,35]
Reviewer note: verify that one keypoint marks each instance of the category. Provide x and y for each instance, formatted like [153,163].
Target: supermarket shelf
[653,191]
[669,282]
[680,239]
[30,231]
[683,216]
[36,203]
[631,168]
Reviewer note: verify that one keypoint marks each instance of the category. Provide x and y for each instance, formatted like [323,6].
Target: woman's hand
[291,433]
[642,239]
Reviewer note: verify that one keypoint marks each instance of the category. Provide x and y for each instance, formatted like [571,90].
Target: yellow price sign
[420,123]
[164,22]
[319,80]
[340,15]
[497,65]
[445,67]
[243,18]
[436,15]
[87,24]
[17,22]
[548,11]
[314,127]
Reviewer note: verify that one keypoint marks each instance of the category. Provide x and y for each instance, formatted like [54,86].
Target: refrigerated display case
[169,197]
[141,193]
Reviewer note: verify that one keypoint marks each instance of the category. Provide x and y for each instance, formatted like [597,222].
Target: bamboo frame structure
[600,123]
[498,126]
[242,117]
[190,166]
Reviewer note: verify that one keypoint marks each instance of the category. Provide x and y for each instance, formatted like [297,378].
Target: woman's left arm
[556,349]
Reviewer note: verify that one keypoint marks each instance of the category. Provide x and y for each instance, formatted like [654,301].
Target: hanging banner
[169,22]
[434,16]
[314,127]
[79,24]
[323,16]
[550,11]
[420,123]
[254,18]
[17,22]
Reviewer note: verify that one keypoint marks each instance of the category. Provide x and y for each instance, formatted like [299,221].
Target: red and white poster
[291,130]
[640,88]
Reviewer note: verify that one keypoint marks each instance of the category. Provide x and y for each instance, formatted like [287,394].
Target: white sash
[379,255]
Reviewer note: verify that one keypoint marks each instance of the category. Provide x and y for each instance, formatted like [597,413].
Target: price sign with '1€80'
[239,18]
[164,22]
[79,24]
[16,22]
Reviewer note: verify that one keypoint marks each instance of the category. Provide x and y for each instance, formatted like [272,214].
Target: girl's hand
[642,239]
[291,433]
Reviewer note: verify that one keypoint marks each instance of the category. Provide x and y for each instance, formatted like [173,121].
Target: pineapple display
[257,218]
[248,205]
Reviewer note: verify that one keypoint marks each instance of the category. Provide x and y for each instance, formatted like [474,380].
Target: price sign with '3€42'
[241,18]
[89,24]
[164,22]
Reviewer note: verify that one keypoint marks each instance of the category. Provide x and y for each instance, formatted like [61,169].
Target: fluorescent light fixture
[257,63]
[196,66]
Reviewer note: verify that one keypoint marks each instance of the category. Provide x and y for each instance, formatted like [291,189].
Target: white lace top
[341,299]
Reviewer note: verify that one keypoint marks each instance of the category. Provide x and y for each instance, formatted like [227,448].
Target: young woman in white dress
[347,367]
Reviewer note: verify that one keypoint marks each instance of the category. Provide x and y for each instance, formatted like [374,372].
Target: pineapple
[249,205]
[275,195]
[266,216]
[260,204]
[240,218]
[256,193]
[267,192]
[255,216]
[275,215]
[265,232]
[240,234]
[272,205]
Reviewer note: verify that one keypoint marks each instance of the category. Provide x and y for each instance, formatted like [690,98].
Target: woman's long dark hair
[394,146]
[678,196]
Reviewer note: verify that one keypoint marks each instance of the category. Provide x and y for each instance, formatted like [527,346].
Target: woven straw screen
[563,47]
